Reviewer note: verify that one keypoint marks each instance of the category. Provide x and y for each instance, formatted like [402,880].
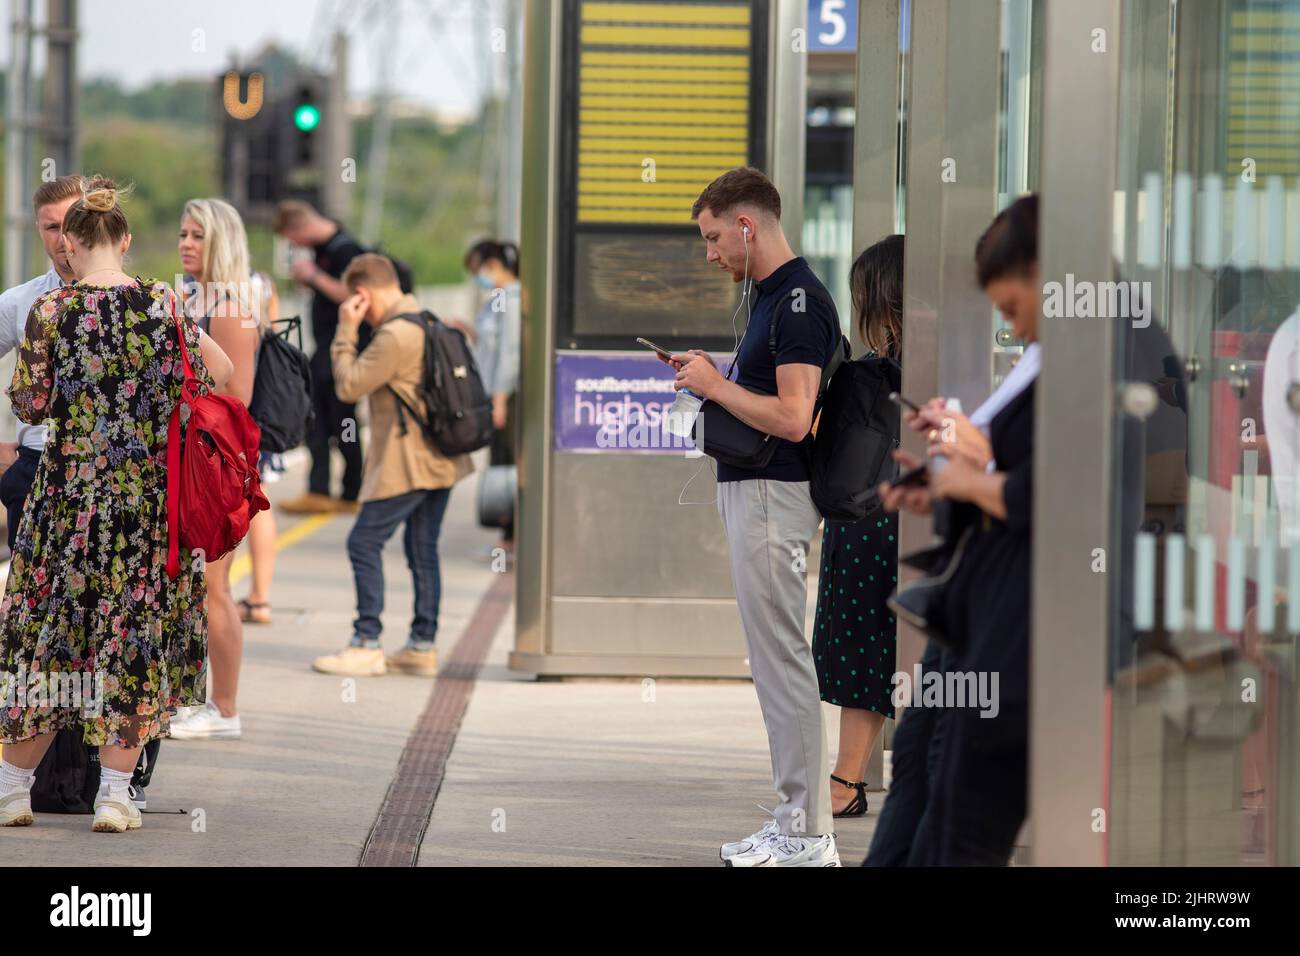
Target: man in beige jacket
[406,479]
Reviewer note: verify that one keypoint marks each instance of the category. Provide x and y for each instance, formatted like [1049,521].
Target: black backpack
[857,432]
[457,412]
[282,392]
[67,778]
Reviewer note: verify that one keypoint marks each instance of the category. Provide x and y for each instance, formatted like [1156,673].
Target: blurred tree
[162,139]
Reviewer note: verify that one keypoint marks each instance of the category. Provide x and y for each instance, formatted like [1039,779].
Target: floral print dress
[88,591]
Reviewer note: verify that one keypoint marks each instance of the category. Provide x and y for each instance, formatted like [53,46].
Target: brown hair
[736,187]
[97,217]
[57,190]
[289,213]
[876,282]
[370,270]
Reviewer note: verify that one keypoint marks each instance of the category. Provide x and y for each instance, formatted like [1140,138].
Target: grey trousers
[769,526]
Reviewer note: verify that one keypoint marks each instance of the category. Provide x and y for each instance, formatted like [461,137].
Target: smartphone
[919,475]
[898,399]
[663,353]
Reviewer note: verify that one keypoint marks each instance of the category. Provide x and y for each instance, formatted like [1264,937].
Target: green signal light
[306,117]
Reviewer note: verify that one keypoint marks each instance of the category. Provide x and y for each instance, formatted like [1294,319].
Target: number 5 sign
[832,26]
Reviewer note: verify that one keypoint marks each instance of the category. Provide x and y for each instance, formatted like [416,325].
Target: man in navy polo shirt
[767,513]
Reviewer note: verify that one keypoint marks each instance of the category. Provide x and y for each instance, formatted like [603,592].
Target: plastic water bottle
[682,414]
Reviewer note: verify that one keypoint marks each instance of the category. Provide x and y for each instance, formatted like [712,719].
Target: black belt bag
[724,437]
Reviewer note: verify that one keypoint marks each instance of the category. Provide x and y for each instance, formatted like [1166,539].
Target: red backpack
[213,488]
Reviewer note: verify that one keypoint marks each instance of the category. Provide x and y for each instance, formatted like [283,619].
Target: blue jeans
[422,511]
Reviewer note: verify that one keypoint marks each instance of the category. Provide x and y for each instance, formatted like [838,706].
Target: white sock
[116,782]
[12,777]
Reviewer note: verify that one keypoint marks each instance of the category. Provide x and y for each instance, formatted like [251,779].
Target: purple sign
[614,402]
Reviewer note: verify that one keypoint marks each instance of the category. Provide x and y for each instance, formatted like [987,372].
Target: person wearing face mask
[495,268]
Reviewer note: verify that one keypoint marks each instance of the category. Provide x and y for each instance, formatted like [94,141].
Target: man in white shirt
[18,460]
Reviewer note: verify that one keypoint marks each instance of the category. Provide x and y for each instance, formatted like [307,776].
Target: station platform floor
[540,773]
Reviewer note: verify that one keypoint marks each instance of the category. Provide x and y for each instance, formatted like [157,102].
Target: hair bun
[101,199]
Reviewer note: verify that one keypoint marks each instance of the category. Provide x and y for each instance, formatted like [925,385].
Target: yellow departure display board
[663,106]
[1263,77]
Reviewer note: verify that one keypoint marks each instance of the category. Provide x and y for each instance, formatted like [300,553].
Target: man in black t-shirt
[335,421]
[767,512]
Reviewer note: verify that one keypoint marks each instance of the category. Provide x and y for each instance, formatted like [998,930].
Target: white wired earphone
[737,340]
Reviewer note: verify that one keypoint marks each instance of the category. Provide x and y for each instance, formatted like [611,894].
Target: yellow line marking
[737,38]
[640,58]
[666,13]
[242,566]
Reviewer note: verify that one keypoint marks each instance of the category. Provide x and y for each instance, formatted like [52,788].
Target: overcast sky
[140,41]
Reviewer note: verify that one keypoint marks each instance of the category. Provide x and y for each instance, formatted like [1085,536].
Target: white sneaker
[206,724]
[750,843]
[16,808]
[184,713]
[113,815]
[785,850]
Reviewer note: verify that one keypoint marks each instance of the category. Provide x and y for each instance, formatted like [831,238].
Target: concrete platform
[543,773]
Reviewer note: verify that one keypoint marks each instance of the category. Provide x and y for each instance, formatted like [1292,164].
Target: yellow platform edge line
[242,566]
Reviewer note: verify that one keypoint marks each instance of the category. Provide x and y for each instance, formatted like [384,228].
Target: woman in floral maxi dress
[88,592]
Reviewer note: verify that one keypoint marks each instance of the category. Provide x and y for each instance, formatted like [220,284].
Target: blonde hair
[97,217]
[225,252]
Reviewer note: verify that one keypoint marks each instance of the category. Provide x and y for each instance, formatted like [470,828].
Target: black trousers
[983,784]
[332,425]
[907,832]
[15,486]
[502,449]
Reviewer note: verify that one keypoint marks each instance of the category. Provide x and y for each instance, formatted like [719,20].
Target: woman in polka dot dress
[853,636]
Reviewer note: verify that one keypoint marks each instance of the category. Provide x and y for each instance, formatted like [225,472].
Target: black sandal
[856,807]
[247,607]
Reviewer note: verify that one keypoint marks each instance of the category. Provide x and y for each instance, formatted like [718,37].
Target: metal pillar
[787,110]
[537,225]
[875,174]
[951,155]
[1069,737]
[334,192]
[875,129]
[60,105]
[510,143]
[17,216]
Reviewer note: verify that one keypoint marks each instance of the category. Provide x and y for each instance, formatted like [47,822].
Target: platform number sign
[832,26]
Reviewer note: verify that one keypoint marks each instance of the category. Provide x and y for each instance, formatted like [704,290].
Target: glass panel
[1017,165]
[1206,601]
[827,239]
